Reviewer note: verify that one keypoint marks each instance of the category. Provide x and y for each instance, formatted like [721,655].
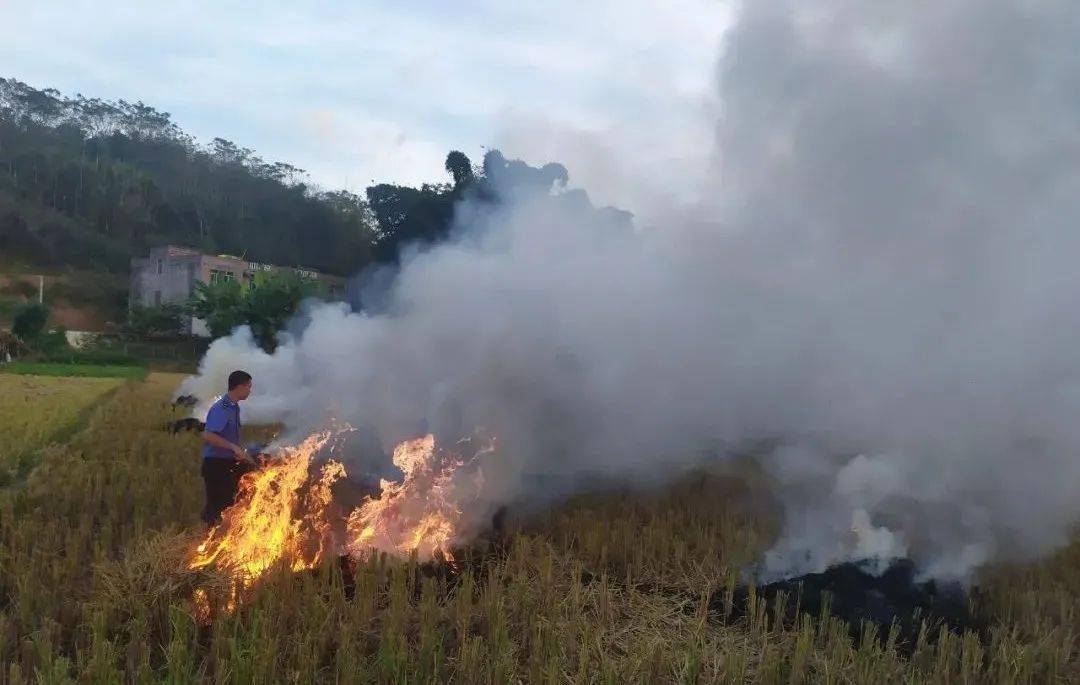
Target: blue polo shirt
[223,419]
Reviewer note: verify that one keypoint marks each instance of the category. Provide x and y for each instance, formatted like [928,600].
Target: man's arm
[221,443]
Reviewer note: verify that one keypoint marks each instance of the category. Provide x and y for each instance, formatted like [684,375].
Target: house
[169,273]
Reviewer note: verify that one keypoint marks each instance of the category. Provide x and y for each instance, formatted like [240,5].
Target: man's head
[239,385]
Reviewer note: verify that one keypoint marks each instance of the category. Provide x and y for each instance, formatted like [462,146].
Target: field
[36,411]
[94,587]
[62,370]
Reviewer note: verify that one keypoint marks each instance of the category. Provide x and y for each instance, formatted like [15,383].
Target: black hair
[238,378]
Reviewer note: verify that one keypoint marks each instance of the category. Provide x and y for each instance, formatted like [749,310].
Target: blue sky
[362,91]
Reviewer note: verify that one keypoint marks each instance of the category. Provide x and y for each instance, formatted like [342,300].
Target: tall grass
[611,589]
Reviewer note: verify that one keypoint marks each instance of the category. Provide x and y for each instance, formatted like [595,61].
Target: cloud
[431,76]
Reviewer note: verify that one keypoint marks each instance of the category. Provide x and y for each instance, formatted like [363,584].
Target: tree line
[90,183]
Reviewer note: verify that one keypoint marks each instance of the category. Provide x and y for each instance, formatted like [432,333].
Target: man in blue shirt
[224,458]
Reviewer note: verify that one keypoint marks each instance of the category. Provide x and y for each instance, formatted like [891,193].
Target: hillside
[89,183]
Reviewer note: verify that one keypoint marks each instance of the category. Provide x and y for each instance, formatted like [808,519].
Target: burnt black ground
[186,424]
[856,596]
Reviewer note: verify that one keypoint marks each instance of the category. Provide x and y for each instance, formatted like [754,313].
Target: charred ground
[896,604]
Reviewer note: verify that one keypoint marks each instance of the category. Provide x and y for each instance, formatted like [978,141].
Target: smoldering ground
[878,278]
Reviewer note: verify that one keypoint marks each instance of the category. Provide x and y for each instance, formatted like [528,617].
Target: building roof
[181,251]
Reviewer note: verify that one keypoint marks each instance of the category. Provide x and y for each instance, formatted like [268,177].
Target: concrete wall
[79,339]
[166,276]
[162,277]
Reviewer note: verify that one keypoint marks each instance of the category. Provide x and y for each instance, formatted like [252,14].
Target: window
[217,276]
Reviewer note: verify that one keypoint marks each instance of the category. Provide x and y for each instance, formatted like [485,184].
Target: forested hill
[89,183]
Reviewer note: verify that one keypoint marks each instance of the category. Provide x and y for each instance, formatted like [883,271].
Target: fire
[285,512]
[279,514]
[415,515]
[201,601]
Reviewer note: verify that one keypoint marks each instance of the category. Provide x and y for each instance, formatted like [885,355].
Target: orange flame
[416,515]
[201,602]
[285,513]
[280,513]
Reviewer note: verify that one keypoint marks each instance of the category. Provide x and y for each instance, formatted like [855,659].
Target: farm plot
[96,585]
[38,410]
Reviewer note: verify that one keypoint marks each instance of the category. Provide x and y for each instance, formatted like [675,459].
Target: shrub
[165,321]
[29,321]
[94,356]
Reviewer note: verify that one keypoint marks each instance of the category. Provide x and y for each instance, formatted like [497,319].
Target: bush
[53,342]
[266,304]
[95,357]
[29,321]
[144,323]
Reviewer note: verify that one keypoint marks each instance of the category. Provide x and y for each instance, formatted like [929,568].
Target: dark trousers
[222,479]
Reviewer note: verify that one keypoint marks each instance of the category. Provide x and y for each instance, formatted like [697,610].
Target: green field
[94,587]
[73,370]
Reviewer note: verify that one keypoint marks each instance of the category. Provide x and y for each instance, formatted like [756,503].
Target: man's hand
[242,454]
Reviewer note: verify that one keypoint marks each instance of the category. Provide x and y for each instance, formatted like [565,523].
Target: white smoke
[882,284]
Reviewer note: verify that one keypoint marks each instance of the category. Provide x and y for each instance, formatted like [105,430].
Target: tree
[493,162]
[271,301]
[416,218]
[92,183]
[266,305]
[218,303]
[154,322]
[409,216]
[29,321]
[459,166]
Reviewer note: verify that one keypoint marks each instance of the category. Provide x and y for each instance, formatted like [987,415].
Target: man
[224,458]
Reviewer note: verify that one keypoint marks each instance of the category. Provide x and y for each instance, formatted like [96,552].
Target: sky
[362,92]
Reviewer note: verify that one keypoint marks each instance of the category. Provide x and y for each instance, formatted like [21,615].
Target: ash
[853,594]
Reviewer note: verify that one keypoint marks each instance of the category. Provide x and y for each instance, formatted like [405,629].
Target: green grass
[74,370]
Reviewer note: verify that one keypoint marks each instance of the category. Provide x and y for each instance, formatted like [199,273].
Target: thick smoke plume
[881,285]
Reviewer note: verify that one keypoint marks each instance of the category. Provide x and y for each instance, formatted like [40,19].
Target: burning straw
[286,513]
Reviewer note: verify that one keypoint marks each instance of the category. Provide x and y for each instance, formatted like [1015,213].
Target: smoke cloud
[881,285]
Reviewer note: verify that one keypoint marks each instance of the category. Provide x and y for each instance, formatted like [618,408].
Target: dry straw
[612,589]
